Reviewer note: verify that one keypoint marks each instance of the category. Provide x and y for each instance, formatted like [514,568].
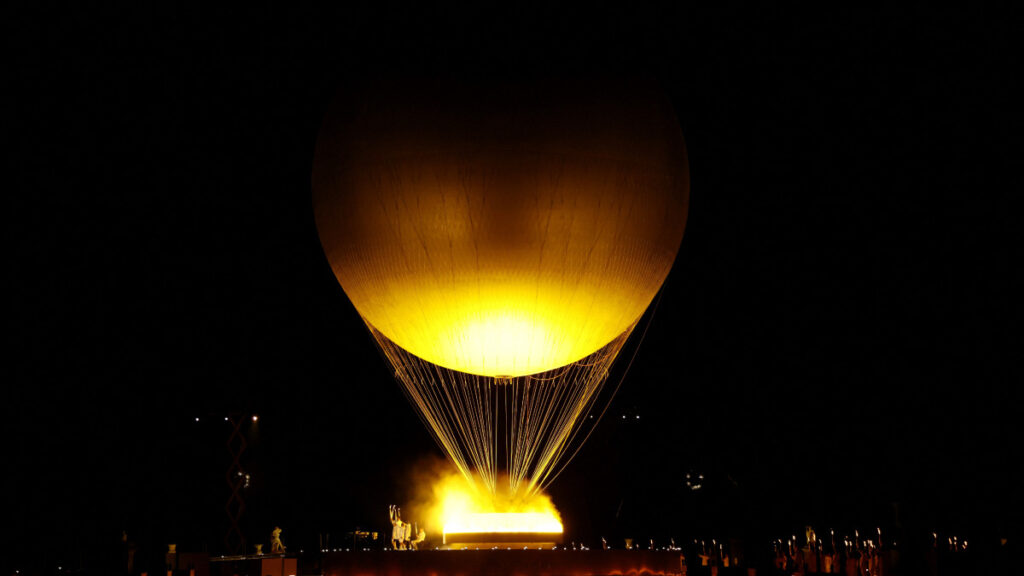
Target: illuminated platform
[503,530]
[488,540]
[502,562]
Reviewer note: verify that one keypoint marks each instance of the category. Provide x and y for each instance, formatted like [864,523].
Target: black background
[837,344]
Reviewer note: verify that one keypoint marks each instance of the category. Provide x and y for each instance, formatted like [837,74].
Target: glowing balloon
[501,241]
[501,230]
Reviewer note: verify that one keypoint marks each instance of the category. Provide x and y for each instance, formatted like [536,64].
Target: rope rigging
[526,423]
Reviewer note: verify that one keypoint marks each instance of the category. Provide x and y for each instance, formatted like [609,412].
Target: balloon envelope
[496,229]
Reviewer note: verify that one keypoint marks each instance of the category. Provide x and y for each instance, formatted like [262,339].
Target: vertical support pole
[234,540]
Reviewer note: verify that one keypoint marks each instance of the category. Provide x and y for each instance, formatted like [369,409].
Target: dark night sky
[840,331]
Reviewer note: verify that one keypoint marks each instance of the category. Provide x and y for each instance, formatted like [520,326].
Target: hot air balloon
[501,240]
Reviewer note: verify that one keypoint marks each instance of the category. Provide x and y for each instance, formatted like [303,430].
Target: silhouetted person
[397,530]
[129,553]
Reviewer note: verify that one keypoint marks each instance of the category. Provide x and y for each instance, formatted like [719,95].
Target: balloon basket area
[506,540]
[503,561]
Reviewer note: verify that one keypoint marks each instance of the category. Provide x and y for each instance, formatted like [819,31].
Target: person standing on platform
[397,532]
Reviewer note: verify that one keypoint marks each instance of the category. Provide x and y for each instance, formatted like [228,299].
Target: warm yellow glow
[520,330]
[528,341]
[456,508]
[503,522]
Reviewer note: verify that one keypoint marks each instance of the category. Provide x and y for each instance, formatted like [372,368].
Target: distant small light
[255,417]
[623,416]
[637,416]
[225,418]
[197,419]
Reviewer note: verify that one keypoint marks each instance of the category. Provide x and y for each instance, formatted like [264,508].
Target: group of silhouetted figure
[862,559]
[402,532]
[858,556]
